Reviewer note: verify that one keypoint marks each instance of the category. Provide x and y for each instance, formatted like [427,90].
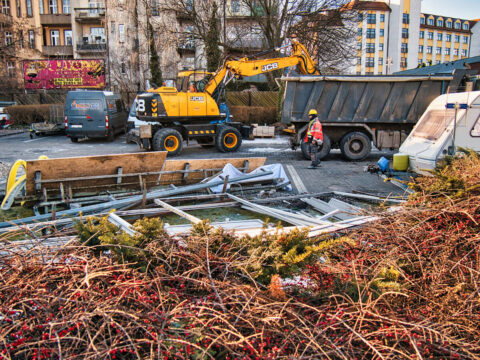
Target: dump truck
[194,110]
[358,111]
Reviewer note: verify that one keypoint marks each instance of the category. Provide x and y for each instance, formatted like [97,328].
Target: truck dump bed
[361,99]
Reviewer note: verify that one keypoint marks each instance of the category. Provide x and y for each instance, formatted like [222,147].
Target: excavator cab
[192,80]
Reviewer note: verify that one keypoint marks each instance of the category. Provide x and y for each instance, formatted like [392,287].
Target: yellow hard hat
[313,112]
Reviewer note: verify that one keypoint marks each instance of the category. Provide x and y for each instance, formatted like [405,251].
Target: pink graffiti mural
[64,74]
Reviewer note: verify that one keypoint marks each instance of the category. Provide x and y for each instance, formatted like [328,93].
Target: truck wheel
[322,152]
[110,135]
[168,140]
[229,139]
[355,146]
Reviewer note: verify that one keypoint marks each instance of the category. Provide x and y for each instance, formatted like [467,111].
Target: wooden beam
[177,211]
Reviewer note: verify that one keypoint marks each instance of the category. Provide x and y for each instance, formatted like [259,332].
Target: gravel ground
[4,168]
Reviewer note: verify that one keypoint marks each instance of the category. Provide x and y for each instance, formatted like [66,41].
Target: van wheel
[322,152]
[110,135]
[355,146]
[168,140]
[74,139]
[229,139]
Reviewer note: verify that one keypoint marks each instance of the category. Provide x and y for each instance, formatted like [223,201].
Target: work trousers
[313,150]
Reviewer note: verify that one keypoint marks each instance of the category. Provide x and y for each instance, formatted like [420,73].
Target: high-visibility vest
[314,130]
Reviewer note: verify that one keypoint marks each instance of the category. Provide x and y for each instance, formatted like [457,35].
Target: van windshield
[85,105]
[435,122]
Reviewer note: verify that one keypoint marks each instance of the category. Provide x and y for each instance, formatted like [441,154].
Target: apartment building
[394,35]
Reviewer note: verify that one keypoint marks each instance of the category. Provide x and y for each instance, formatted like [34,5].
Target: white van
[438,134]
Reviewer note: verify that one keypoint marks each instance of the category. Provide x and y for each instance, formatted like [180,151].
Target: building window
[404,49]
[97,34]
[11,68]
[369,73]
[448,38]
[439,23]
[382,18]
[405,33]
[370,62]
[31,39]
[370,48]
[465,39]
[66,6]
[360,17]
[380,61]
[41,7]
[359,46]
[406,18]
[422,20]
[457,38]
[449,23]
[235,6]
[458,25]
[438,51]
[403,62]
[466,26]
[446,51]
[456,52]
[429,49]
[420,48]
[54,37]
[20,39]
[68,37]
[371,18]
[123,69]
[359,32]
[8,38]
[121,33]
[359,61]
[439,36]
[464,53]
[380,47]
[420,61]
[19,9]
[422,34]
[382,32]
[29,8]
[52,6]
[430,22]
[370,33]
[430,35]
[6,7]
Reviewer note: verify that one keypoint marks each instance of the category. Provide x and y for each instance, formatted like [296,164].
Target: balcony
[89,15]
[186,47]
[88,45]
[55,19]
[65,50]
[183,15]
[245,44]
[5,19]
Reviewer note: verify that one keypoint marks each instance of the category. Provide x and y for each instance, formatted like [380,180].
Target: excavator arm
[247,67]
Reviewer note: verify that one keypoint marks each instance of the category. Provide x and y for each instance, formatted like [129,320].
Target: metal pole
[457,106]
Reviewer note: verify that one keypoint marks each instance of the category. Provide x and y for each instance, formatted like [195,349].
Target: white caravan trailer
[438,134]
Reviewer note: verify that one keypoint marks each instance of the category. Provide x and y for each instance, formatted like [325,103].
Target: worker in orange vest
[314,138]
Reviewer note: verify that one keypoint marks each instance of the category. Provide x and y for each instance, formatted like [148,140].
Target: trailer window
[435,123]
[475,132]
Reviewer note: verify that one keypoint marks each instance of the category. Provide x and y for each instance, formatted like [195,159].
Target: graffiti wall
[64,74]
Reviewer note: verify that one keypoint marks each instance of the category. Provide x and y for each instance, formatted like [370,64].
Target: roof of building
[444,68]
[444,25]
[366,5]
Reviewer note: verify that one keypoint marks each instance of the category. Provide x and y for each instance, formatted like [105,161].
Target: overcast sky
[464,9]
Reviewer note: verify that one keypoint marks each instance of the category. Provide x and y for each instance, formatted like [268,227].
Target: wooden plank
[92,166]
[177,211]
[198,164]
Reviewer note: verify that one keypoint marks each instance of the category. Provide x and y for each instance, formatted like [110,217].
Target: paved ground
[334,173]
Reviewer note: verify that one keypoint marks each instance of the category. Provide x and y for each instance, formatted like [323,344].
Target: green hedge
[28,114]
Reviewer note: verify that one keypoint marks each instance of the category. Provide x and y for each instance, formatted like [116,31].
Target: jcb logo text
[269,67]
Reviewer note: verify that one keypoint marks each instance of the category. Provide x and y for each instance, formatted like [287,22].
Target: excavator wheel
[229,139]
[168,140]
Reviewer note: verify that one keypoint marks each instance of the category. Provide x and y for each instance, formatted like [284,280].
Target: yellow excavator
[194,110]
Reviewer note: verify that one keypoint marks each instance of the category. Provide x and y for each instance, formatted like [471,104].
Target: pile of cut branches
[407,286]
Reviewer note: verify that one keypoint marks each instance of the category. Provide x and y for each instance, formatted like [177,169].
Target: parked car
[94,114]
[4,116]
